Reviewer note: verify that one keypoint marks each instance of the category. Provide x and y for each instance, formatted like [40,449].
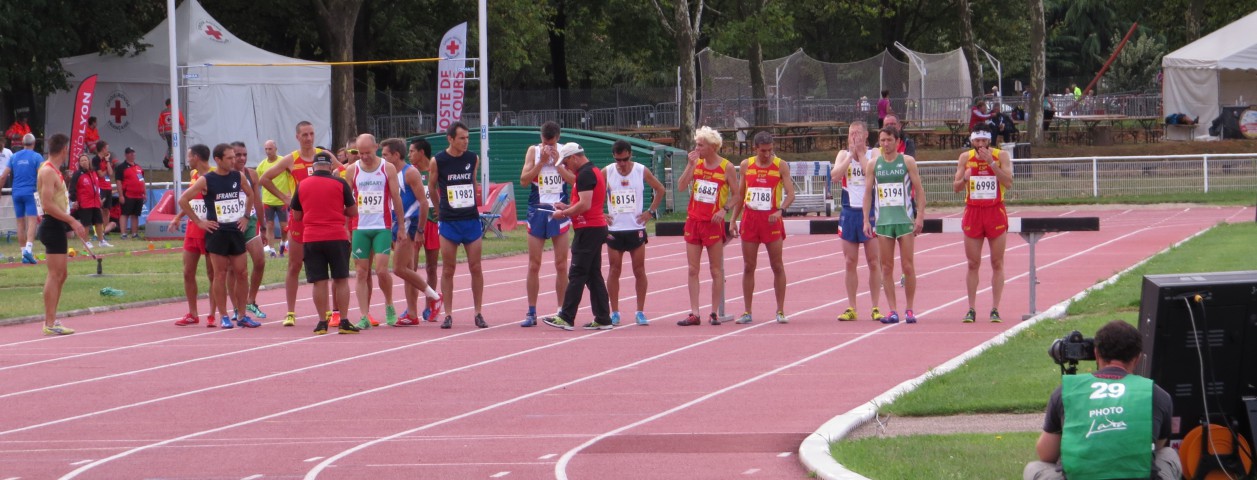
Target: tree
[749,28]
[970,48]
[684,26]
[1136,68]
[338,19]
[1038,70]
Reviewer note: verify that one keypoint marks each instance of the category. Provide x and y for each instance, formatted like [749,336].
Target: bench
[808,203]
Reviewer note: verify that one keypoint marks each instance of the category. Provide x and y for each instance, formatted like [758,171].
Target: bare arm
[841,163]
[739,203]
[918,191]
[658,187]
[789,184]
[1004,170]
[434,188]
[687,176]
[581,206]
[185,204]
[395,192]
[1048,447]
[962,173]
[531,167]
[415,181]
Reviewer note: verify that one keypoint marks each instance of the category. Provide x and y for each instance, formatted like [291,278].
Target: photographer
[1098,425]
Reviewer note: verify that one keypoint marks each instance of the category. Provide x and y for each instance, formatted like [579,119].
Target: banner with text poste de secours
[82,111]
[450,79]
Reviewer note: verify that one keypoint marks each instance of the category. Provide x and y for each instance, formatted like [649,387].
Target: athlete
[626,182]
[374,182]
[421,159]
[255,240]
[768,190]
[274,213]
[194,241]
[409,232]
[899,217]
[984,173]
[24,166]
[52,203]
[452,185]
[712,181]
[850,167]
[300,164]
[547,180]
[224,223]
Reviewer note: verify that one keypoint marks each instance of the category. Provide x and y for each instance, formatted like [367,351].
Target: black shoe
[713,319]
[449,322]
[347,328]
[321,328]
[480,323]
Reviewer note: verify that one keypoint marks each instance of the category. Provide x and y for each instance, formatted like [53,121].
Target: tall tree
[684,25]
[1038,71]
[970,48]
[748,29]
[338,19]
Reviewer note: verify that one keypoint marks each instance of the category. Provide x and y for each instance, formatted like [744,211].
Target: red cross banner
[451,85]
[82,111]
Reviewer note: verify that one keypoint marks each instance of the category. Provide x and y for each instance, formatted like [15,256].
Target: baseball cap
[569,149]
[129,150]
[323,158]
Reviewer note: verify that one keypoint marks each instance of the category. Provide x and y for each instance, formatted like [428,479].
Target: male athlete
[768,190]
[52,202]
[849,166]
[374,182]
[255,238]
[194,241]
[712,181]
[547,181]
[409,232]
[626,182]
[899,217]
[452,185]
[984,173]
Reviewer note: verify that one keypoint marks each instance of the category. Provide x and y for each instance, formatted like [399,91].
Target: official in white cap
[590,225]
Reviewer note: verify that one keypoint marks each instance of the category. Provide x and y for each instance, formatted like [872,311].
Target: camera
[1071,349]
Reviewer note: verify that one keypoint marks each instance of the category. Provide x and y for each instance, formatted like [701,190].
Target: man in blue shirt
[24,166]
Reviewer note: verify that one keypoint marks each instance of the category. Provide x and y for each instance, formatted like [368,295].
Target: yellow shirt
[284,182]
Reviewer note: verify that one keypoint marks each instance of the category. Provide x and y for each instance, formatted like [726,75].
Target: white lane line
[252,477]
[312,459]
[81,462]
[751,471]
[783,454]
[499,475]
[547,456]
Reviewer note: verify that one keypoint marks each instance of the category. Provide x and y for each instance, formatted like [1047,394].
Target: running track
[132,396]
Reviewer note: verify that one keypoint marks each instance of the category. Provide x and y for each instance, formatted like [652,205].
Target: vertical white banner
[451,86]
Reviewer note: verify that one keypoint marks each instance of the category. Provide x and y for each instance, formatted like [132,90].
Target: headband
[980,135]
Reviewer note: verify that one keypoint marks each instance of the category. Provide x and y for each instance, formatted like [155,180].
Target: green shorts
[251,231]
[371,241]
[894,230]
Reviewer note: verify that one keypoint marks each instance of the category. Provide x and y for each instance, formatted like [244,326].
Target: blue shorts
[540,224]
[461,231]
[851,225]
[24,205]
[412,229]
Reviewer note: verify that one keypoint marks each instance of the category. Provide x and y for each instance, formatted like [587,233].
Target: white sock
[430,293]
[29,246]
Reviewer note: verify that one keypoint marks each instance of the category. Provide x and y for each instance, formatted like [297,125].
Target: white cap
[569,149]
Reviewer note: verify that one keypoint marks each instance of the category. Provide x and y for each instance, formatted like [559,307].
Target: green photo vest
[1108,427]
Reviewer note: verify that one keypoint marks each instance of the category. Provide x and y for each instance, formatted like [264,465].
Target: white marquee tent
[1218,70]
[221,103]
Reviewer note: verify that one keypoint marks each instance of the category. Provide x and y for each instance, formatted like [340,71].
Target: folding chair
[488,221]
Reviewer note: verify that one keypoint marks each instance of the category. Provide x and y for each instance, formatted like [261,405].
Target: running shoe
[28,257]
[124,236]
[877,315]
[744,319]
[893,318]
[390,315]
[227,323]
[713,319]
[407,321]
[270,252]
[253,309]
[346,328]
[448,323]
[970,316]
[364,323]
[291,320]
[615,318]
[909,317]
[995,316]
[641,319]
[480,323]
[690,321]
[57,329]
[530,320]
[283,248]
[557,322]
[89,245]
[374,322]
[598,326]
[188,319]
[848,315]
[210,322]
[781,317]
[247,322]
[434,308]
[321,328]
[105,243]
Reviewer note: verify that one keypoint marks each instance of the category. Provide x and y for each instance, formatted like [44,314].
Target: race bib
[705,191]
[310,171]
[371,203]
[228,211]
[890,195]
[549,183]
[198,207]
[39,204]
[983,187]
[759,198]
[461,196]
[855,175]
[624,201]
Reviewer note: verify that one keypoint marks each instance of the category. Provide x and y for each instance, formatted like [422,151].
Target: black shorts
[88,216]
[227,243]
[106,200]
[322,257]
[52,233]
[626,241]
[132,207]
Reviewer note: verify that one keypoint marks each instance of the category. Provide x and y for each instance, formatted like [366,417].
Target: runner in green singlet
[900,203]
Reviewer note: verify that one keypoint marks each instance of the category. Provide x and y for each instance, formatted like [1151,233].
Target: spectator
[5,153]
[883,108]
[18,131]
[131,190]
[103,164]
[906,145]
[978,114]
[1077,92]
[85,197]
[165,127]
[24,166]
[92,135]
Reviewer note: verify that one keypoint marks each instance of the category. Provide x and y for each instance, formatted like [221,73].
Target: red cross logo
[117,111]
[452,47]
[209,30]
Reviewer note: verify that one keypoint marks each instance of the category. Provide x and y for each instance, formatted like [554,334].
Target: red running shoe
[210,322]
[436,305]
[691,320]
[187,319]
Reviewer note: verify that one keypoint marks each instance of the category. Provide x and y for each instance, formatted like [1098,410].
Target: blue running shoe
[909,317]
[247,322]
[892,318]
[641,319]
[427,314]
[615,318]
[530,320]
[28,257]
[227,323]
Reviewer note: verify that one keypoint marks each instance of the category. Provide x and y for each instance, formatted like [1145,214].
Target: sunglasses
[625,159]
[353,151]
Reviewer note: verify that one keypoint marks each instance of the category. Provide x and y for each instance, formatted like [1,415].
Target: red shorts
[705,233]
[757,229]
[984,222]
[431,235]
[294,230]
[194,245]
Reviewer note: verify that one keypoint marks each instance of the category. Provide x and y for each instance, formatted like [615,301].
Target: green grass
[146,276]
[1018,376]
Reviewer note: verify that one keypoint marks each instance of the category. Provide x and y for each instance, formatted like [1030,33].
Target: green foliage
[1136,68]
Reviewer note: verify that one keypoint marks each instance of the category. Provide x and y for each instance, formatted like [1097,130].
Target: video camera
[1067,351]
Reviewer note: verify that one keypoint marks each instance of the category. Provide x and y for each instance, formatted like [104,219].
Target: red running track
[133,396]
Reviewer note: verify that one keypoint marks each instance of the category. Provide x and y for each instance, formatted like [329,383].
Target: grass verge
[961,456]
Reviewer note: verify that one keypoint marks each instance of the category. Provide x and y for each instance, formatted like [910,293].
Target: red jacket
[86,188]
[131,176]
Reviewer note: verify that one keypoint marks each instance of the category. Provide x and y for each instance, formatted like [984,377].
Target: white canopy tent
[221,104]
[1219,69]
